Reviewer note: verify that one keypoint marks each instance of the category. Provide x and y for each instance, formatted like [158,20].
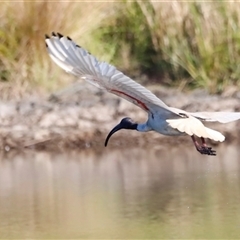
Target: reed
[25,66]
[178,42]
[188,44]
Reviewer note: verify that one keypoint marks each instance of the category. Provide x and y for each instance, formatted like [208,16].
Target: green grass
[194,42]
[191,44]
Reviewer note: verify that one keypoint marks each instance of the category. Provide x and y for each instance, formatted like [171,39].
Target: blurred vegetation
[186,44]
[25,66]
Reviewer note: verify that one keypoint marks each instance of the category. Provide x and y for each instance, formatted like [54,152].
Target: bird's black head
[126,123]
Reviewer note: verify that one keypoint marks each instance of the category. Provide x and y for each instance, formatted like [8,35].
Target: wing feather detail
[222,117]
[76,60]
[193,126]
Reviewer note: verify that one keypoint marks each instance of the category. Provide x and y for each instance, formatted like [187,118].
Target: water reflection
[134,193]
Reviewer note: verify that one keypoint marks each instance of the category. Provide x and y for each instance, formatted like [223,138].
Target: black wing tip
[59,35]
[55,35]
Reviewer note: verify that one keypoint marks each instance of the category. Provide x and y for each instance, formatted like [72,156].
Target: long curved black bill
[115,129]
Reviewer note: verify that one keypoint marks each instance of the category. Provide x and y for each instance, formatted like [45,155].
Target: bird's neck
[143,127]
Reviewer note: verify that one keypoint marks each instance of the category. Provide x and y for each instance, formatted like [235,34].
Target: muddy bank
[82,116]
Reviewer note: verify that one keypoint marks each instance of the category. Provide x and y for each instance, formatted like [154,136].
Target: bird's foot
[206,150]
[202,147]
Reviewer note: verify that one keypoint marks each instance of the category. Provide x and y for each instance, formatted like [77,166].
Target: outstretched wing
[76,60]
[222,117]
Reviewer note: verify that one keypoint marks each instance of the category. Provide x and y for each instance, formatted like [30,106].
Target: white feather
[78,61]
[193,126]
[222,117]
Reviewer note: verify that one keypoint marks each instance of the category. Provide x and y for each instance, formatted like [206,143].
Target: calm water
[135,193]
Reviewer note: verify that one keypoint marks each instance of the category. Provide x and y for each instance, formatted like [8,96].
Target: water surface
[134,193]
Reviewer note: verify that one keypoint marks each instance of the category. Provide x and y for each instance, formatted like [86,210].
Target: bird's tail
[193,126]
[214,135]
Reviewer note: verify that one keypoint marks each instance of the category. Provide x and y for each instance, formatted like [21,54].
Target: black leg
[203,148]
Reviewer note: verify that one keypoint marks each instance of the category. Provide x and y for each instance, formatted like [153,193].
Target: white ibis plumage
[161,118]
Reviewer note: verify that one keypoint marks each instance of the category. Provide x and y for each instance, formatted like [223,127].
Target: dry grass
[189,44]
[204,40]
[24,63]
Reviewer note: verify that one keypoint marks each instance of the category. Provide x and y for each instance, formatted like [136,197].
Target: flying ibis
[161,118]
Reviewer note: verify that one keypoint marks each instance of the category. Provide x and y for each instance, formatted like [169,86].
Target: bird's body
[161,118]
[158,123]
